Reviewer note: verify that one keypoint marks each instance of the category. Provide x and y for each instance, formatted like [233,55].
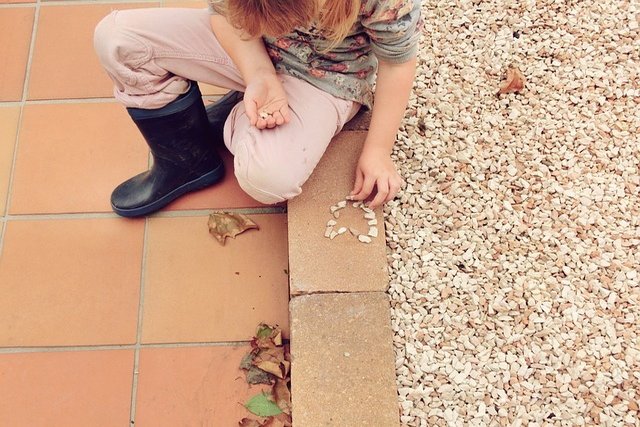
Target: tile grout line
[247,211]
[25,90]
[136,356]
[3,226]
[17,5]
[96,2]
[90,100]
[76,3]
[87,100]
[62,101]
[60,216]
[162,214]
[98,347]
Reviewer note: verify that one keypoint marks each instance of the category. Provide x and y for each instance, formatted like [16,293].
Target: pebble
[514,245]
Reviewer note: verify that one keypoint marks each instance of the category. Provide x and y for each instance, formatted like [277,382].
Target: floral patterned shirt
[385,29]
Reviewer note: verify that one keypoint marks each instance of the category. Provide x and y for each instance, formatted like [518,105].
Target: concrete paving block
[344,264]
[343,372]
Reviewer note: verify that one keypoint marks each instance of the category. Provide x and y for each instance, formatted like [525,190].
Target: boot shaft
[178,134]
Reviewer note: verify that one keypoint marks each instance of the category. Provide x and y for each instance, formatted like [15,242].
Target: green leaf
[264,331]
[261,406]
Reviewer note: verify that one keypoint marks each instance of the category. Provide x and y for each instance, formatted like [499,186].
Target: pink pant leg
[150,54]
[272,164]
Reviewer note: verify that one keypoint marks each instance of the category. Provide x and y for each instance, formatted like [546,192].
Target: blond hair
[278,17]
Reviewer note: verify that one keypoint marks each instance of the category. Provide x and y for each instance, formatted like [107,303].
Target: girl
[305,67]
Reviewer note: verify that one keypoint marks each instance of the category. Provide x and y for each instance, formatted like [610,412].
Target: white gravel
[514,249]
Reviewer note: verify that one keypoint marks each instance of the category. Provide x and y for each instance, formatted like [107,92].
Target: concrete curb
[343,370]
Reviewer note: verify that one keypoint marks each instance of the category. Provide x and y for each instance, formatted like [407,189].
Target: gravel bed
[514,248]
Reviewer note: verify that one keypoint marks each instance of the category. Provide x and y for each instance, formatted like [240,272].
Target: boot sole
[205,180]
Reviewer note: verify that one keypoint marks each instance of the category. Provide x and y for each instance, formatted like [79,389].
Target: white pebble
[364,239]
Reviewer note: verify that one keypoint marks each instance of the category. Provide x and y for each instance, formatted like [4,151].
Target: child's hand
[265,102]
[376,168]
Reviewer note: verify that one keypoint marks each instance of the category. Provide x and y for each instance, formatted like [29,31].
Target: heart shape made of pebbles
[331,233]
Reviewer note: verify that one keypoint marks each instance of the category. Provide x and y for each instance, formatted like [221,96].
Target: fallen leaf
[225,224]
[272,368]
[514,83]
[248,422]
[272,360]
[267,337]
[274,422]
[267,363]
[273,354]
[285,419]
[247,360]
[255,375]
[261,406]
[280,420]
[277,337]
[282,396]
[264,331]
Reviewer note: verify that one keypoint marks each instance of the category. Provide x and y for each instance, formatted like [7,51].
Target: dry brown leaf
[514,83]
[245,363]
[248,422]
[272,360]
[282,420]
[260,343]
[277,337]
[282,396]
[255,375]
[267,337]
[271,367]
[274,422]
[226,224]
[274,355]
[285,419]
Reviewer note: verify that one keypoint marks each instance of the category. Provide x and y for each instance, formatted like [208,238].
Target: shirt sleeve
[394,27]
[215,6]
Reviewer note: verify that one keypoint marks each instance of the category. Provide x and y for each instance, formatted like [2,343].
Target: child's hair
[277,17]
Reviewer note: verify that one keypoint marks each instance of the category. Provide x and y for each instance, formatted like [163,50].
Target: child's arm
[375,167]
[264,91]
[394,28]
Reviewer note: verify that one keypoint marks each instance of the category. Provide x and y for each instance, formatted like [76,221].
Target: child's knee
[266,182]
[115,46]
[103,38]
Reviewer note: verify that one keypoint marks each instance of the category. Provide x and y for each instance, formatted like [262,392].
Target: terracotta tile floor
[106,321]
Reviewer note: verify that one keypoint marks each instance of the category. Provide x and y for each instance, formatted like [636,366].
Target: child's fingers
[367,187]
[286,114]
[383,190]
[251,108]
[271,121]
[277,115]
[394,188]
[261,123]
[357,186]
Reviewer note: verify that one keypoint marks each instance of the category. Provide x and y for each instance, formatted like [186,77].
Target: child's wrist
[377,147]
[261,72]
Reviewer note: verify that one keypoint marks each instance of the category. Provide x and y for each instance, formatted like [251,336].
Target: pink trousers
[151,54]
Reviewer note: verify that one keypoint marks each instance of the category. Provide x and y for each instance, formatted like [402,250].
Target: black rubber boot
[184,156]
[218,112]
